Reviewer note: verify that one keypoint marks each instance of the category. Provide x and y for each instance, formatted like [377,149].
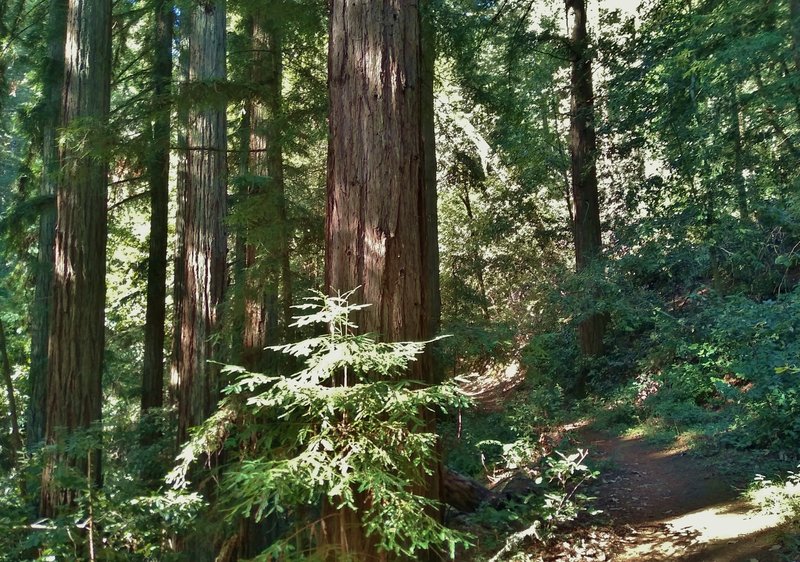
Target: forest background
[617,191]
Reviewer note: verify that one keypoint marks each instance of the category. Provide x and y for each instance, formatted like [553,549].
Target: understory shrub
[732,353]
[123,520]
[347,424]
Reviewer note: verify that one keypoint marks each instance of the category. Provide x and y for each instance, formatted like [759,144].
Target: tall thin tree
[204,238]
[53,76]
[158,172]
[5,370]
[583,155]
[181,181]
[75,362]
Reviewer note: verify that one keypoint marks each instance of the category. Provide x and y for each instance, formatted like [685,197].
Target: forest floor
[660,501]
[665,503]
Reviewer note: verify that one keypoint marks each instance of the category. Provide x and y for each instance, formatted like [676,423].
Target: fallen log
[464,493]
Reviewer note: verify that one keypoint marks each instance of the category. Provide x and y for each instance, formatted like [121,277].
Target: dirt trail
[665,504]
[660,504]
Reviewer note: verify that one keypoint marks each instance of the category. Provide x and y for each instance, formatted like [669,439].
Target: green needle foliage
[345,424]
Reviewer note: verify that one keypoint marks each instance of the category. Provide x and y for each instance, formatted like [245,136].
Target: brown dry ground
[664,504]
[658,503]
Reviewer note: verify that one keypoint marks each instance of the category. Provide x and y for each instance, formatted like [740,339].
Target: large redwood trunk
[75,365]
[204,239]
[380,229]
[583,152]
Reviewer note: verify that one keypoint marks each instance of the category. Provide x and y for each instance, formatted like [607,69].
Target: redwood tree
[262,247]
[158,172]
[53,76]
[583,152]
[204,207]
[380,221]
[75,363]
[266,247]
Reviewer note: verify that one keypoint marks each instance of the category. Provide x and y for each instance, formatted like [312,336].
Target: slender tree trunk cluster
[381,230]
[266,252]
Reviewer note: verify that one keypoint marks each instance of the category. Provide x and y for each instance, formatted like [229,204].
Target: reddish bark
[264,273]
[583,152]
[381,221]
[204,239]
[158,170]
[75,364]
[40,327]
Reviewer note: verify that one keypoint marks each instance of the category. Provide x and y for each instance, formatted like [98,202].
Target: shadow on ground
[667,504]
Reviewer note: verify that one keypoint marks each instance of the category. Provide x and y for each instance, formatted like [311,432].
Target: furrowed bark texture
[74,392]
[40,327]
[204,239]
[583,152]
[266,255]
[430,237]
[380,225]
[158,171]
[376,216]
[181,181]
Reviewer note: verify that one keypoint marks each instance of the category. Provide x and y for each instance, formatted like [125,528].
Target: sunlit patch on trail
[729,529]
[725,522]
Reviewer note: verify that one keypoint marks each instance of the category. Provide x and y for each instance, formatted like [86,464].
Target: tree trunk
[430,237]
[205,244]
[75,363]
[5,364]
[738,156]
[181,181]
[261,249]
[158,171]
[380,226]
[53,77]
[463,493]
[583,153]
[266,247]
[794,22]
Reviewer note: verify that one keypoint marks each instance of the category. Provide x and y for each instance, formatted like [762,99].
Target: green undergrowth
[539,476]
[710,366]
[719,377]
